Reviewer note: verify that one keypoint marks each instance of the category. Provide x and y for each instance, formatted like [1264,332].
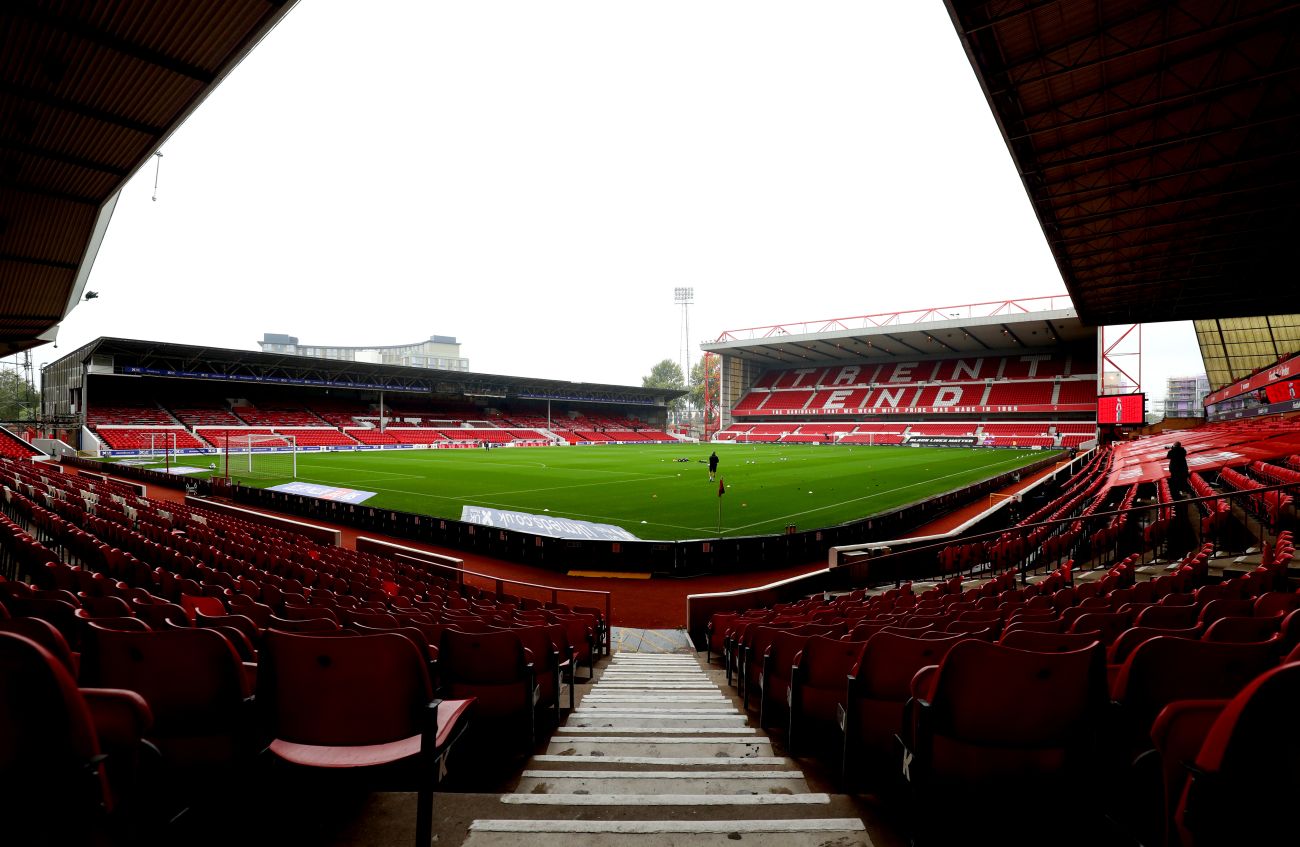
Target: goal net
[261,456]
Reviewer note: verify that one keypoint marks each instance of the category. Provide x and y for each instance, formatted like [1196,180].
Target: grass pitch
[648,492]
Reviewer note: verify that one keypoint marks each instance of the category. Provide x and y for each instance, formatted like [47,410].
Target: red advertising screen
[1121,409]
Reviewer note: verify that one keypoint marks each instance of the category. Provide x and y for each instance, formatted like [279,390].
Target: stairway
[656,754]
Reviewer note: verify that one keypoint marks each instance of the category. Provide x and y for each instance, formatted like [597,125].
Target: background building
[1184,396]
[441,352]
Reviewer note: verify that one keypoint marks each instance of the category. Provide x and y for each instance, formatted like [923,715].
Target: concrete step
[666,799]
[668,761]
[840,832]
[656,698]
[668,731]
[651,746]
[657,755]
[657,782]
[628,720]
[703,691]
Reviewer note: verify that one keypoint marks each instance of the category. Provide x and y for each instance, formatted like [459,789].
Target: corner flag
[722,488]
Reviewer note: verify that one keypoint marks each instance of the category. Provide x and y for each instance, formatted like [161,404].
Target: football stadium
[902,577]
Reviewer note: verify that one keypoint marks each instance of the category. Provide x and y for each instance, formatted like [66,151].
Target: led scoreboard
[1122,409]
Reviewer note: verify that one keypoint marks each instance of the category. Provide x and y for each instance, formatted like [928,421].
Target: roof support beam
[35,260]
[73,26]
[1110,189]
[1163,44]
[1135,150]
[902,343]
[63,104]
[48,193]
[1082,220]
[64,158]
[1176,100]
[994,20]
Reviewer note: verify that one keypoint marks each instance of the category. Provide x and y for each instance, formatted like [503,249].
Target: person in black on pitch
[1178,472]
[713,465]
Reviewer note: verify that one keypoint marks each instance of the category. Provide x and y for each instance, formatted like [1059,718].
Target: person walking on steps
[713,465]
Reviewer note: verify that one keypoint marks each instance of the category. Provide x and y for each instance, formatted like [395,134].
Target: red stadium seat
[359,702]
[991,715]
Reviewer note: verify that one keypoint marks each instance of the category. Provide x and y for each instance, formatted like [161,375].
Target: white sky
[535,179]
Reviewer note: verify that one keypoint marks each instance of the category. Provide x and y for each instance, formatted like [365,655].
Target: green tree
[697,381]
[18,400]
[667,375]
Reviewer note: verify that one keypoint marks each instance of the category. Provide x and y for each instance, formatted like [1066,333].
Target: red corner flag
[722,488]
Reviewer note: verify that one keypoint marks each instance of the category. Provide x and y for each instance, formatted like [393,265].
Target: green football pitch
[647,491]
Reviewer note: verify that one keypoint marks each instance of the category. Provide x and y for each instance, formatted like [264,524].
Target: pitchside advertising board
[544,525]
[1122,409]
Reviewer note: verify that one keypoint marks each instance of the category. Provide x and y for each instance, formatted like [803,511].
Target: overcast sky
[535,179]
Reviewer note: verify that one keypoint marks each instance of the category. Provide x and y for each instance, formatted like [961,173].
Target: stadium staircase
[656,753]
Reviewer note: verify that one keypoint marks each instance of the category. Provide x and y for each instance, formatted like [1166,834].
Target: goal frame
[238,452]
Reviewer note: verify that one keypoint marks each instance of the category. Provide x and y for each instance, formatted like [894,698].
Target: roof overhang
[994,335]
[135,357]
[89,92]
[1159,143]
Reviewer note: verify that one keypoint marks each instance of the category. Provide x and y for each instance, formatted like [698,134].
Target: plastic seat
[986,630]
[243,623]
[207,605]
[1024,721]
[105,607]
[61,615]
[48,637]
[1106,625]
[128,623]
[194,683]
[1276,603]
[1244,776]
[493,669]
[551,667]
[280,624]
[753,645]
[1165,669]
[819,684]
[878,687]
[774,678]
[306,613]
[358,702]
[715,633]
[1226,607]
[53,777]
[1056,625]
[581,632]
[1123,646]
[158,615]
[1168,617]
[1048,642]
[375,620]
[1243,630]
